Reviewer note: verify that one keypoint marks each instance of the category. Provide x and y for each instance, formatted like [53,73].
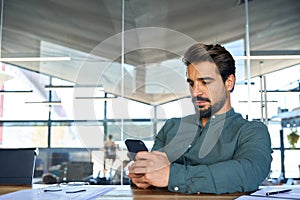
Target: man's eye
[191,83]
[206,82]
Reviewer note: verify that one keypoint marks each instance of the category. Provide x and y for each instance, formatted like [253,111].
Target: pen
[76,191]
[52,190]
[278,192]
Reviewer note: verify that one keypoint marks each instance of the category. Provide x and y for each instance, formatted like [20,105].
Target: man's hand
[150,168]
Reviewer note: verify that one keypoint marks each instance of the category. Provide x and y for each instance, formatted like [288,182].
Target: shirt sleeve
[160,138]
[246,170]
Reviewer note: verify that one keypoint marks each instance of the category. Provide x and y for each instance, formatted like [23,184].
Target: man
[110,151]
[215,150]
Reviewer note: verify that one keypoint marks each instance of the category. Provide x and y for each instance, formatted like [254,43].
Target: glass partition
[72,77]
[280,86]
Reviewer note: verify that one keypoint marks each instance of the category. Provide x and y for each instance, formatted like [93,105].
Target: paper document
[290,192]
[85,192]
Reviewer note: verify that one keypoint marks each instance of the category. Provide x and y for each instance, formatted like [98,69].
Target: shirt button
[198,192]
[190,146]
[176,188]
[213,116]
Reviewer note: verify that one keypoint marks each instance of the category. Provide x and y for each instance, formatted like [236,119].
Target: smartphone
[134,146]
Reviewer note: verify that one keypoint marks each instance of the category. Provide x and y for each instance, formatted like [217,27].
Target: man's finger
[142,155]
[140,163]
[139,170]
[142,185]
[133,175]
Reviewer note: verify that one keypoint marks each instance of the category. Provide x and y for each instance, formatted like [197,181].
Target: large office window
[117,69]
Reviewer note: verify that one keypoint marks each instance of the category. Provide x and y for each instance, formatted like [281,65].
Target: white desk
[115,192]
[126,192]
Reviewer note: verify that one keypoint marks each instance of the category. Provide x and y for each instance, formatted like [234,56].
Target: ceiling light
[98,98]
[51,87]
[48,103]
[287,91]
[34,59]
[258,101]
[15,91]
[269,57]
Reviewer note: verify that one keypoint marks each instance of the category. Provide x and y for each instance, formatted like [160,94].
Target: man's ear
[229,83]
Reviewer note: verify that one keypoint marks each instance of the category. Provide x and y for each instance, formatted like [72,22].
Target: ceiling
[157,32]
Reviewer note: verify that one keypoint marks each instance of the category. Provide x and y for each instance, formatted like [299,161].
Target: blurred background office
[74,72]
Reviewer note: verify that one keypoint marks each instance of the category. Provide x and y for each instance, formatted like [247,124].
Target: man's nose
[197,89]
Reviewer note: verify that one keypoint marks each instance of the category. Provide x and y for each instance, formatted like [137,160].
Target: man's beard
[212,109]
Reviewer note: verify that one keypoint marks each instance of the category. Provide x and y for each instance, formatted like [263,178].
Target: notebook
[17,166]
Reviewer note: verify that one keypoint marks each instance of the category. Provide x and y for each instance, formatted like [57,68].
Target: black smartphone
[134,146]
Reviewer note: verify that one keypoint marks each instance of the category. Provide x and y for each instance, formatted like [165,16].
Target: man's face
[207,88]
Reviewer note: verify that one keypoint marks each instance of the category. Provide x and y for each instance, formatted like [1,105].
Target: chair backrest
[75,171]
[17,166]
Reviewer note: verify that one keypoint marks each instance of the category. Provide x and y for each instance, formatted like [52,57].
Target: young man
[215,150]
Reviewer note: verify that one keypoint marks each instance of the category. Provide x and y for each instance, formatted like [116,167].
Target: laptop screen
[17,166]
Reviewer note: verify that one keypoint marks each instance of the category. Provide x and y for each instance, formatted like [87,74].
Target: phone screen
[134,146]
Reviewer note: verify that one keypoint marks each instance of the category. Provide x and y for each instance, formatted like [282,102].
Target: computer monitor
[17,166]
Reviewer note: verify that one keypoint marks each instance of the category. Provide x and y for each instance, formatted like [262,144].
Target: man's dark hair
[212,53]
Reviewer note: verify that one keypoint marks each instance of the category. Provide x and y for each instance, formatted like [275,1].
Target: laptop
[17,166]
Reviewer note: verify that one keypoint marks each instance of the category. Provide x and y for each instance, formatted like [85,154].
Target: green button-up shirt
[229,154]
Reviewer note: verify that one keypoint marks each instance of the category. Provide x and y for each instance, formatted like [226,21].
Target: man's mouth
[200,101]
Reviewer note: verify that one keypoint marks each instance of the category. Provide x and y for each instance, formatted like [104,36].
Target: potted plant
[293,138]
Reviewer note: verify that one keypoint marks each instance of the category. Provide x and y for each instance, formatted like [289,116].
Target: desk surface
[127,192]
[130,192]
[4,189]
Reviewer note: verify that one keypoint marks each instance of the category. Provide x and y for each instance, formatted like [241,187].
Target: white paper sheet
[294,194]
[59,193]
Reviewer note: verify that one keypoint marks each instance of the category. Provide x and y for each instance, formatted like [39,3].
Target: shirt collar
[216,118]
